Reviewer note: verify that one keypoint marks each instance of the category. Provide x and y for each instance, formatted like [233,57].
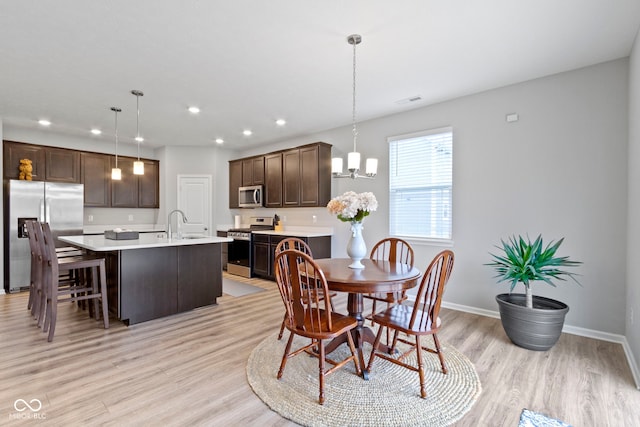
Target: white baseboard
[574,330]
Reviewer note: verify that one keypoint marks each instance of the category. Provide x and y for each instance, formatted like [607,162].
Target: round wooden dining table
[376,277]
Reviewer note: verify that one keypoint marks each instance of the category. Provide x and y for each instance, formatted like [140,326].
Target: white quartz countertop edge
[293,233]
[98,243]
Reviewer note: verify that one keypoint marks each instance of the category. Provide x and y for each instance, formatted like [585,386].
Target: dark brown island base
[153,277]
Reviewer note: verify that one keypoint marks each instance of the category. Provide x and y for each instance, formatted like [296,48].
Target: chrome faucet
[184,219]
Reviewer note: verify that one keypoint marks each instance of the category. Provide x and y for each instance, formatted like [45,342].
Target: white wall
[633,231]
[194,160]
[561,170]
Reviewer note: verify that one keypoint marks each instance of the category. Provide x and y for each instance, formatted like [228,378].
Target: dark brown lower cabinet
[150,283]
[264,248]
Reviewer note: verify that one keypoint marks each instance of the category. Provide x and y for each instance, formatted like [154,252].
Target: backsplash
[306,217]
[119,216]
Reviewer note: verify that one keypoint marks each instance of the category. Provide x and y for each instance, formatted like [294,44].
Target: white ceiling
[246,63]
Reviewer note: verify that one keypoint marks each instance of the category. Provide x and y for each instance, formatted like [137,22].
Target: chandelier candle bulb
[371,167]
[353,161]
[336,165]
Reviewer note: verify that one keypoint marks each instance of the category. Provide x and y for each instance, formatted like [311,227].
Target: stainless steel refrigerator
[59,204]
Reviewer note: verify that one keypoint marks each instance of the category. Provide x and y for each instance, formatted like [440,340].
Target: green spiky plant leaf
[524,262]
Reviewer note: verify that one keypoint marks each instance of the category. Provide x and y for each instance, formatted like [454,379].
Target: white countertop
[98,243]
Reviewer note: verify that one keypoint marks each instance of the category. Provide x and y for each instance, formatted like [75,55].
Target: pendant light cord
[138,124]
[355,131]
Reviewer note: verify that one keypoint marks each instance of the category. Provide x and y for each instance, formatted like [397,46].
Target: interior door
[194,199]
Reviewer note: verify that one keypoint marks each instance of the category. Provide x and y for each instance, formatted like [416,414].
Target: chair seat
[399,317]
[339,323]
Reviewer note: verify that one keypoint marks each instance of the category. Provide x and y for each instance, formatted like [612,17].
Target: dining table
[376,277]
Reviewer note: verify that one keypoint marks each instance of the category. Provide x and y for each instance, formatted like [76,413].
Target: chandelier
[353,158]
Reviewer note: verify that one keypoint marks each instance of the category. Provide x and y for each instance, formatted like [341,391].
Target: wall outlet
[130,217]
[314,218]
[284,218]
[90,218]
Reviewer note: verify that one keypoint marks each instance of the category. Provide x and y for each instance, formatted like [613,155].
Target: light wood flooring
[189,369]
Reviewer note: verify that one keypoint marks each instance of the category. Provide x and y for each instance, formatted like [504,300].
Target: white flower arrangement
[353,207]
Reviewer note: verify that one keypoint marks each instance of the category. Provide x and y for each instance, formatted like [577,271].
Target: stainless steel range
[240,259]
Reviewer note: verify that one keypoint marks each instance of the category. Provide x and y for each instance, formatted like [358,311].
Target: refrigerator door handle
[42,210]
[47,210]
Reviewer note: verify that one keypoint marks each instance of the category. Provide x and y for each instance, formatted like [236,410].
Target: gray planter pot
[536,328]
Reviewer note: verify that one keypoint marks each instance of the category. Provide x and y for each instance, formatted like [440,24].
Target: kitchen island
[152,276]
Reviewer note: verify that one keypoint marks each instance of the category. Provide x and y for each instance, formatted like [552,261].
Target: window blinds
[420,185]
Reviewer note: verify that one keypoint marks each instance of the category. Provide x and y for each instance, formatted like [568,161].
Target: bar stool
[79,290]
[35,286]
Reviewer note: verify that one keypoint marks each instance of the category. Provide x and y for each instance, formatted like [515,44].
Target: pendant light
[138,166]
[353,158]
[116,173]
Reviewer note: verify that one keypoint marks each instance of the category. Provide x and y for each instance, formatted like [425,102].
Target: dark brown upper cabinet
[273,180]
[148,185]
[62,165]
[253,171]
[96,177]
[15,151]
[235,182]
[124,192]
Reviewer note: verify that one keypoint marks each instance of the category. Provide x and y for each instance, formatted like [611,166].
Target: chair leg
[375,346]
[436,341]
[103,293]
[354,354]
[282,327]
[321,371]
[285,356]
[423,392]
[53,310]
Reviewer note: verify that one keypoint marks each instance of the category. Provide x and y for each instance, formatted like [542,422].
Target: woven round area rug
[391,396]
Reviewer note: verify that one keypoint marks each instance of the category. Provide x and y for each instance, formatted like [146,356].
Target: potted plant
[532,322]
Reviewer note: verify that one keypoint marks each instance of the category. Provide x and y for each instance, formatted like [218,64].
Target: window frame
[430,241]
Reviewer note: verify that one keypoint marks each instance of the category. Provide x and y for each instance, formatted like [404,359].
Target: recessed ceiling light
[194,110]
[219,140]
[247,132]
[139,139]
[96,131]
[281,122]
[44,122]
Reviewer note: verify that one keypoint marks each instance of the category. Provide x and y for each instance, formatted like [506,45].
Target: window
[420,185]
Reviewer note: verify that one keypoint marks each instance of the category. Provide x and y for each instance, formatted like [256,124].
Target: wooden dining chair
[390,249]
[92,286]
[300,245]
[309,316]
[417,320]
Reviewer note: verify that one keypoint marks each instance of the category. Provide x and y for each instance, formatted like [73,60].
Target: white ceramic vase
[356,249]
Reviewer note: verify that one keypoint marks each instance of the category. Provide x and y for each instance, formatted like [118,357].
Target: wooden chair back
[293,243]
[429,297]
[308,308]
[394,250]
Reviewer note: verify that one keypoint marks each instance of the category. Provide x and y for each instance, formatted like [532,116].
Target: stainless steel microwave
[250,197]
